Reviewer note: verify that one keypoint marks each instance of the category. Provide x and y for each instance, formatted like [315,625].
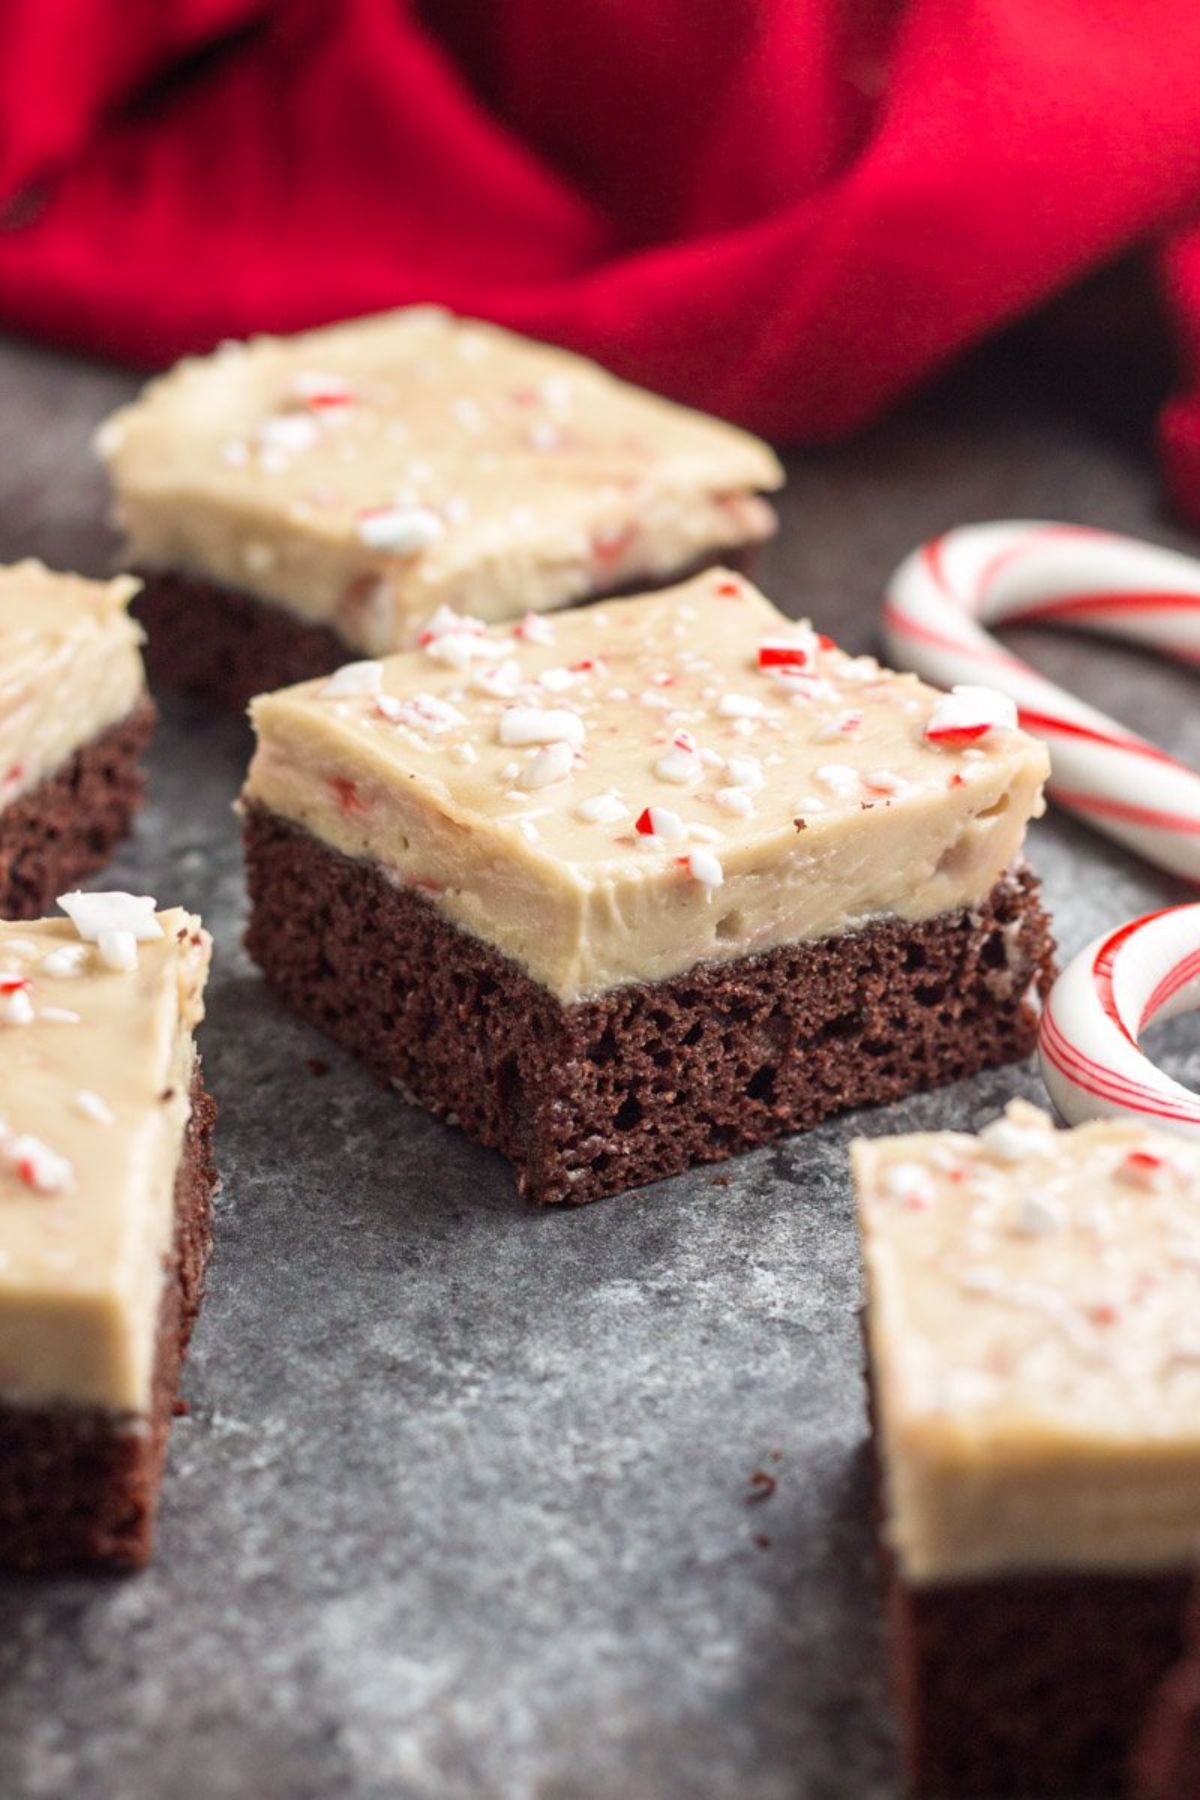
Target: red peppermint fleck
[325,398]
[583,666]
[27,1171]
[13,984]
[954,737]
[683,740]
[1103,1313]
[644,823]
[776,656]
[347,795]
[1144,1161]
[729,590]
[610,546]
[957,780]
[825,643]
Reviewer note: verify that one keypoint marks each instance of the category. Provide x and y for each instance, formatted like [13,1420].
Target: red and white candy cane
[1099,1007]
[944,595]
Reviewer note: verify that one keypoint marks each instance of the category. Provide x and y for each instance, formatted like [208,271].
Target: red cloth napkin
[787,211]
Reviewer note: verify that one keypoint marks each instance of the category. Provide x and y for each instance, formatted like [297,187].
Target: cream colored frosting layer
[94,1101]
[364,474]
[504,773]
[69,668]
[1034,1329]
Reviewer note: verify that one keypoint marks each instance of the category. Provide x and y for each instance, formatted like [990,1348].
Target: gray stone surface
[463,1503]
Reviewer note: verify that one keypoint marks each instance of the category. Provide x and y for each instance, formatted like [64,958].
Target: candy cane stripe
[1091,1060]
[944,596]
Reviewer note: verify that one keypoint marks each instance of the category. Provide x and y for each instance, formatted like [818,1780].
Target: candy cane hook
[942,597]
[1099,1007]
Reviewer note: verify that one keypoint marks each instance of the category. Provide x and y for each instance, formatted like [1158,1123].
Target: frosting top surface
[455,461]
[682,775]
[95,1068]
[1035,1329]
[69,667]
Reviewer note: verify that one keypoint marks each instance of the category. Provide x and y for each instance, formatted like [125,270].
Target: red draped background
[787,211]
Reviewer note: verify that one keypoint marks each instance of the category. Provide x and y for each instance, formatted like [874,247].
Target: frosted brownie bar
[1033,1322]
[296,501]
[74,717]
[105,1182]
[644,884]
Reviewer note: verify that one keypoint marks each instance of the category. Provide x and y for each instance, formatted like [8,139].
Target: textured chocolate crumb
[593,1098]
[70,823]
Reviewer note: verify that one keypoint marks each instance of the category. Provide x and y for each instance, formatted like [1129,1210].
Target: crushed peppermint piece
[550,764]
[93,914]
[1037,1215]
[540,725]
[735,800]
[840,779]
[16,1007]
[285,434]
[353,678]
[322,391]
[1143,1169]
[788,653]
[457,649]
[445,622]
[93,1107]
[500,682]
[705,834]
[37,1165]
[740,706]
[1008,1141]
[117,950]
[534,629]
[843,724]
[745,772]
[59,1015]
[557,681]
[705,868]
[601,809]
[679,765]
[885,781]
[426,712]
[660,822]
[967,713]
[399,530]
[464,753]
[67,961]
[910,1185]
[804,689]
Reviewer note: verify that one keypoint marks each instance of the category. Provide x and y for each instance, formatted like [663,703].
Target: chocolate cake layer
[79,1487]
[593,1098]
[1032,1685]
[1167,1759]
[228,646]
[70,823]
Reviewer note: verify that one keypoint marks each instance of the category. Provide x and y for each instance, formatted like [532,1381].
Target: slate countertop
[465,1502]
